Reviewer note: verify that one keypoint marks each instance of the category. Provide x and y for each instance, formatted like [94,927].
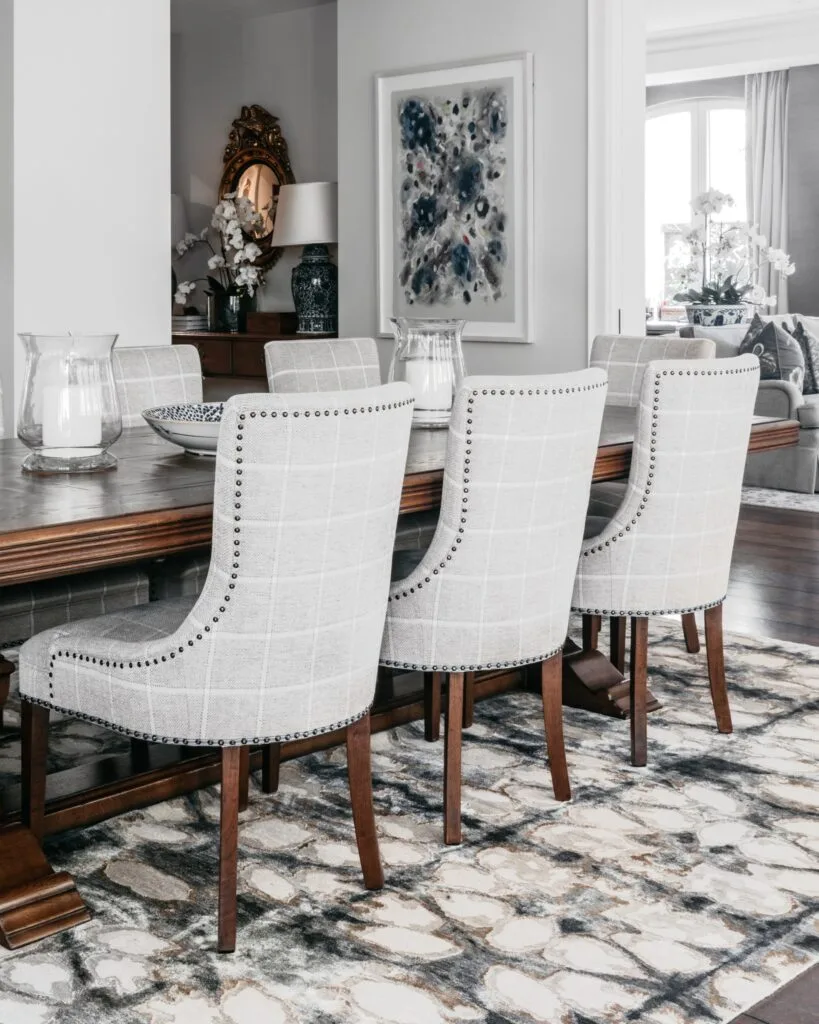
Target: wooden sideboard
[234,363]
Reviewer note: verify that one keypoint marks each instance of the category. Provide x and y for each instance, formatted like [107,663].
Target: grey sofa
[791,469]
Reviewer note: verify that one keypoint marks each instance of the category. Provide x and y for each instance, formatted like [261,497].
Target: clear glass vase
[429,357]
[69,412]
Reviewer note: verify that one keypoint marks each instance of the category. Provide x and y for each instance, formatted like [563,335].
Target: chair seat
[606,498]
[416,531]
[28,609]
[149,622]
[595,526]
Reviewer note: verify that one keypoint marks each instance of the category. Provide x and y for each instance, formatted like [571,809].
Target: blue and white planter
[716,316]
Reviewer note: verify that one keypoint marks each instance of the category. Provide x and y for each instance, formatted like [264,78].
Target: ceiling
[673,15]
[188,15]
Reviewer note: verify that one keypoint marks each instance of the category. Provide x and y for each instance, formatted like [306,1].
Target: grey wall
[803,175]
[7,213]
[389,35]
[287,63]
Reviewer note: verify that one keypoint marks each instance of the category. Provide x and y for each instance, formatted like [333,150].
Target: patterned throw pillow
[809,344]
[780,356]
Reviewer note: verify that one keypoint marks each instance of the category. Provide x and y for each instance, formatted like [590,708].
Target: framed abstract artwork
[455,197]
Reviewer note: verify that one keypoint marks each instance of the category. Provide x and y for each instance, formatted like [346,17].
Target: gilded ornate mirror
[257,164]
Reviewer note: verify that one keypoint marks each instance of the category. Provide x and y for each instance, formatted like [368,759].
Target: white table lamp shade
[307,214]
[179,219]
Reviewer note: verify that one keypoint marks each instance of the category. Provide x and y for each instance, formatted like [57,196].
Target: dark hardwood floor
[774,588]
[774,592]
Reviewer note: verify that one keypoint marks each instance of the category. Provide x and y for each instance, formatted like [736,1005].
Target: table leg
[35,901]
[592,682]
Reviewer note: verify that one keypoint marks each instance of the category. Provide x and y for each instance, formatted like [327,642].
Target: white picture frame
[500,311]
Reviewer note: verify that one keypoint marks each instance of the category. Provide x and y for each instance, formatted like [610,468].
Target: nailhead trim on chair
[398,594]
[517,663]
[185,742]
[191,642]
[647,493]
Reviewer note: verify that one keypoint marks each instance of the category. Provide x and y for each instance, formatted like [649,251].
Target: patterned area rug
[680,894]
[768,497]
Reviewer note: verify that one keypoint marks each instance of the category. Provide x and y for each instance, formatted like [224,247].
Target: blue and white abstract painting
[454,246]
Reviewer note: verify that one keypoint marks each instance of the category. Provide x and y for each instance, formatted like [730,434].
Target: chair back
[155,375]
[495,586]
[283,642]
[337,364]
[668,547]
[625,358]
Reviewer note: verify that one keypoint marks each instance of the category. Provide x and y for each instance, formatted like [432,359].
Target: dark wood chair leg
[691,633]
[469,700]
[639,686]
[591,632]
[271,757]
[34,752]
[716,668]
[432,706]
[6,672]
[244,778]
[228,846]
[359,773]
[452,758]
[617,628]
[551,681]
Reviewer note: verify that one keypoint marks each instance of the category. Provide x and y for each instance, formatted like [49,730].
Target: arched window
[691,146]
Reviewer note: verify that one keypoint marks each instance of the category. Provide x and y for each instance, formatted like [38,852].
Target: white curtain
[766,105]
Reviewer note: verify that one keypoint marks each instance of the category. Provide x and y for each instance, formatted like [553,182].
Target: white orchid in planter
[232,256]
[724,260]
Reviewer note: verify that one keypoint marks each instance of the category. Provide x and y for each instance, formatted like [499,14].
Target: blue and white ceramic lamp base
[315,292]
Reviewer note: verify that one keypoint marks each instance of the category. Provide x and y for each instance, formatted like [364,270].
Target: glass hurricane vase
[429,357]
[69,413]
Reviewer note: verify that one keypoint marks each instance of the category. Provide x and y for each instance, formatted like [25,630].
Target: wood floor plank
[795,1003]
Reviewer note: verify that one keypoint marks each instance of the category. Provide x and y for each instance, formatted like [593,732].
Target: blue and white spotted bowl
[193,426]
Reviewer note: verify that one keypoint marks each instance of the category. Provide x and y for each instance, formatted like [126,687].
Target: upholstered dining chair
[146,377]
[338,364]
[283,642]
[625,358]
[494,587]
[667,548]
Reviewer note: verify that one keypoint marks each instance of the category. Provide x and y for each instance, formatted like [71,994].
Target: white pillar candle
[72,416]
[431,381]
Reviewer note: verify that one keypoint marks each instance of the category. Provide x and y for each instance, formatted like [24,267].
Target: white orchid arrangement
[232,256]
[725,259]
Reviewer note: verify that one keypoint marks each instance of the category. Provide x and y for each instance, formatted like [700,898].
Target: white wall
[786,39]
[389,35]
[285,62]
[92,168]
[7,213]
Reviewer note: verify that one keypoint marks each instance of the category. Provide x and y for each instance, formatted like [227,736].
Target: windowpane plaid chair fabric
[339,364]
[494,588]
[668,547]
[625,358]
[145,378]
[155,375]
[283,641]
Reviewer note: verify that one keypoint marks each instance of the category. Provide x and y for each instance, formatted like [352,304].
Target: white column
[92,169]
[617,69]
[6,216]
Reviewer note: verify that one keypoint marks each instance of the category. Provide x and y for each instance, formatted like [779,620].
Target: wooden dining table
[156,503]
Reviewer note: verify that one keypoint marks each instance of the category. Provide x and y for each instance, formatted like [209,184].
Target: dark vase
[233,310]
[315,291]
